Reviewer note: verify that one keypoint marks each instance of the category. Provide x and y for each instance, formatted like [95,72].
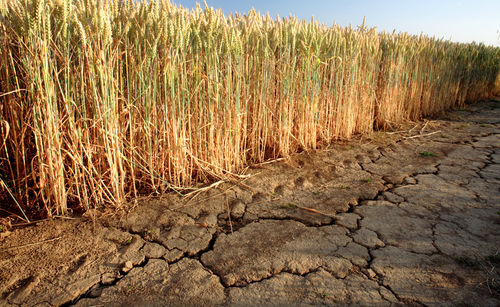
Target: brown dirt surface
[404,217]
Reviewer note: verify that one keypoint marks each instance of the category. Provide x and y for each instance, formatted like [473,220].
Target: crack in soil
[95,290]
[272,275]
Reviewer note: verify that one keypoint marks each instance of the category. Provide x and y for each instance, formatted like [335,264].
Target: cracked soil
[408,217]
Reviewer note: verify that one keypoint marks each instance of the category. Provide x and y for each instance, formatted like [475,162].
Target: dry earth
[410,217]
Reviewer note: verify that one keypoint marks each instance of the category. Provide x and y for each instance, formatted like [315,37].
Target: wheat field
[102,101]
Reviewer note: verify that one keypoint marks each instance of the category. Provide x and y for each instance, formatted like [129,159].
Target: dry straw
[105,100]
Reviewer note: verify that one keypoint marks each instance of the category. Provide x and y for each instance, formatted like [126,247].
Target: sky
[456,20]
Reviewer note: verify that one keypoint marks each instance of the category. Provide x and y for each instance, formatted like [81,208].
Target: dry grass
[105,100]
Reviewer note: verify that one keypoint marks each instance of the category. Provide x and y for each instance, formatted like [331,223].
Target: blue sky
[458,20]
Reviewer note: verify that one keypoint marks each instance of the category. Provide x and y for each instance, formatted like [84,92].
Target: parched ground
[409,217]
